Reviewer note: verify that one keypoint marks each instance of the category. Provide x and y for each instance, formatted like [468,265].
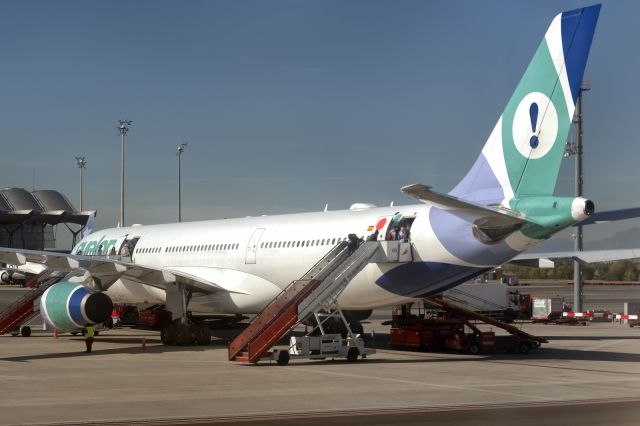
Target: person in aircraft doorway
[373,237]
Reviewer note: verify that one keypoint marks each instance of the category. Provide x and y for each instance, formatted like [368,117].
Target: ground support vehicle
[446,328]
[320,347]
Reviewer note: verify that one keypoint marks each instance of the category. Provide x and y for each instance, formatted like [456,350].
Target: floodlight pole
[181,149]
[577,266]
[123,129]
[82,164]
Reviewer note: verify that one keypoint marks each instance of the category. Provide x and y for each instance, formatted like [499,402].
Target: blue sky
[289,105]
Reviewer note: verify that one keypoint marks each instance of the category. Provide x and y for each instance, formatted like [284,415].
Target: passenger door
[252,246]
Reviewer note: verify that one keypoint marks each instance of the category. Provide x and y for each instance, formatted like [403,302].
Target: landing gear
[182,330]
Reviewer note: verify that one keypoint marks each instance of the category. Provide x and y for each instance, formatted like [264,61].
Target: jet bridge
[315,293]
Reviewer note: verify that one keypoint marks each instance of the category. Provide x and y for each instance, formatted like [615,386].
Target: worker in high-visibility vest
[88,336]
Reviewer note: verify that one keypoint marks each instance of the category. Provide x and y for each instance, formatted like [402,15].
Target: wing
[106,271]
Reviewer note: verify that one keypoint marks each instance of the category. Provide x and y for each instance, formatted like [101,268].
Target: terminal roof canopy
[50,207]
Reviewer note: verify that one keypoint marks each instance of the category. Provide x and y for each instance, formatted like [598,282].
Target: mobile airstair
[315,293]
[25,309]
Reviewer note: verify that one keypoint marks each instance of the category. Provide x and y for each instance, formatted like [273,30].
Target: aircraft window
[261,245]
[279,244]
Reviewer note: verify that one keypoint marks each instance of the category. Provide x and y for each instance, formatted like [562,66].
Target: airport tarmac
[587,374]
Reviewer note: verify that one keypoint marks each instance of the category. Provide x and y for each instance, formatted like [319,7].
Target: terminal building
[29,220]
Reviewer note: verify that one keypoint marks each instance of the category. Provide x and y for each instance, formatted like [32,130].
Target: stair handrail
[478,299]
[366,250]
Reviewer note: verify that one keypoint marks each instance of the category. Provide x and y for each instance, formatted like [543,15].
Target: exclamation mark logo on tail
[533,113]
[535,126]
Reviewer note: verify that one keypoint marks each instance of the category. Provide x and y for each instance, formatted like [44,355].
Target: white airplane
[503,206]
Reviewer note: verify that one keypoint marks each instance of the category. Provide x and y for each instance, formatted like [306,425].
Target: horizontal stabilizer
[493,216]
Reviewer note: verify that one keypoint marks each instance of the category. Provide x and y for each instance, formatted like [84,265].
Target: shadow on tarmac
[132,350]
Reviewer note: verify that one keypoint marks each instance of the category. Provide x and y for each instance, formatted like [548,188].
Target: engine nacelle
[68,306]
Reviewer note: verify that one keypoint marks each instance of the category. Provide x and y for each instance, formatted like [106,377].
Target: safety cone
[144,344]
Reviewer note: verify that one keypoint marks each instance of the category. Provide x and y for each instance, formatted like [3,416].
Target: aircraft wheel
[168,335]
[202,334]
[183,335]
[25,331]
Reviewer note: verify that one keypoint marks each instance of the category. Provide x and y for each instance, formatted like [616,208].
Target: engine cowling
[68,306]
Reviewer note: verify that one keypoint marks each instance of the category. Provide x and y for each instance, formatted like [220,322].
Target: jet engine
[68,306]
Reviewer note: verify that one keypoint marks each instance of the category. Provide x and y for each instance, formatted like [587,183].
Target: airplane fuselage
[254,258]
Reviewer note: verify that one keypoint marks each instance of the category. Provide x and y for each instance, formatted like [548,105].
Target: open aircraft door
[252,246]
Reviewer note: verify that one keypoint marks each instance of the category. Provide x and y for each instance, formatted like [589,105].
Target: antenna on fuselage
[326,207]
[391,205]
